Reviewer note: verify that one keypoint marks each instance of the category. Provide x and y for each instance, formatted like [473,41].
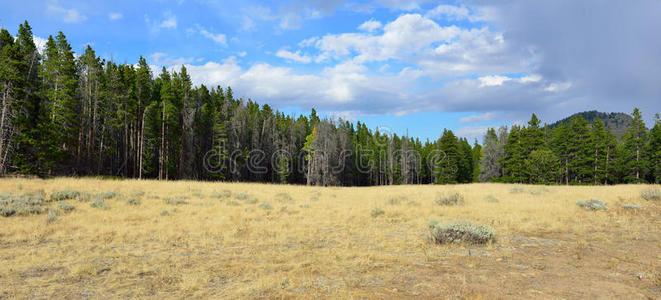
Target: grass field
[151,239]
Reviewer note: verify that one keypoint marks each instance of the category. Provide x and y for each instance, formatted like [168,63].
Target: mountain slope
[617,123]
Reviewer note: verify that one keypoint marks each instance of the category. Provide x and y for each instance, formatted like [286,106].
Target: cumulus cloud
[68,15]
[293,56]
[370,26]
[478,118]
[162,59]
[449,12]
[493,80]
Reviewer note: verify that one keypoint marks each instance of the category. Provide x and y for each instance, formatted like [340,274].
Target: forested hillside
[68,115]
[617,123]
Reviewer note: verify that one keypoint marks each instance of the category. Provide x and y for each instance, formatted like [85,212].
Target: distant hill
[616,122]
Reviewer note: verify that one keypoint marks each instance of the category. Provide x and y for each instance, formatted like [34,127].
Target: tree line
[69,115]
[574,152]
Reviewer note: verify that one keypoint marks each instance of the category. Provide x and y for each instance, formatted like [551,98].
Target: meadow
[94,238]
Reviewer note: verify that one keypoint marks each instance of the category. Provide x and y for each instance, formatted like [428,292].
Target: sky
[413,66]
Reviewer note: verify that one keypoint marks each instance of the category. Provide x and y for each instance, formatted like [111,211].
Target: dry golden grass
[324,242]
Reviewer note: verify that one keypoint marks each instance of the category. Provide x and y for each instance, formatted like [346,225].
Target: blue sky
[406,65]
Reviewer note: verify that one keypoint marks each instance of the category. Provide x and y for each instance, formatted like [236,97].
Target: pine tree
[581,150]
[476,158]
[635,142]
[514,160]
[543,166]
[601,150]
[448,168]
[655,150]
[560,144]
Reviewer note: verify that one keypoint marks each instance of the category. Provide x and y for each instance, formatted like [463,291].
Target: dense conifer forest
[69,115]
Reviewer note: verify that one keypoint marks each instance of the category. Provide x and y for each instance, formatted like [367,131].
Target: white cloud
[558,86]
[68,15]
[219,38]
[115,16]
[370,26]
[308,42]
[493,80]
[401,39]
[291,21]
[40,43]
[293,56]
[449,12]
[530,78]
[472,132]
[170,21]
[162,59]
[478,118]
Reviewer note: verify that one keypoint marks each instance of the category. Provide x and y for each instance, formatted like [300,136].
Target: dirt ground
[228,240]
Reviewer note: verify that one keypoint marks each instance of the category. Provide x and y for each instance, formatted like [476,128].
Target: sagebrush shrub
[452,199]
[222,195]
[99,203]
[241,196]
[251,201]
[107,195]
[64,195]
[592,204]
[461,232]
[65,206]
[175,200]
[651,194]
[377,212]
[29,203]
[139,193]
[233,203]
[265,205]
[132,201]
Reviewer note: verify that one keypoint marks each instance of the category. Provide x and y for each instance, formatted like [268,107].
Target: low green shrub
[164,213]
[377,212]
[265,205]
[651,194]
[222,195]
[26,204]
[175,200]
[241,196]
[138,194]
[107,195]
[132,201]
[64,195]
[452,199]
[233,203]
[460,232]
[66,207]
[99,203]
[592,204]
[631,207]
[250,201]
